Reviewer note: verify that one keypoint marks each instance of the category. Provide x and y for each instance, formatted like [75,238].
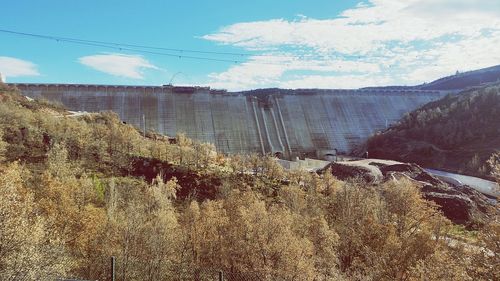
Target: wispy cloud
[338,82]
[410,41]
[129,66]
[14,67]
[272,69]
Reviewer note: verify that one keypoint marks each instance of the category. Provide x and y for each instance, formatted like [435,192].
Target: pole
[221,276]
[113,268]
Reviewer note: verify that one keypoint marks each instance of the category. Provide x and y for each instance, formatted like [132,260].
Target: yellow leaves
[243,234]
[11,179]
[183,140]
[194,210]
[385,233]
[55,200]
[91,225]
[331,185]
[3,145]
[144,228]
[25,247]
[164,191]
[211,227]
[57,161]
[16,202]
[486,258]
[441,265]
[408,209]
[293,197]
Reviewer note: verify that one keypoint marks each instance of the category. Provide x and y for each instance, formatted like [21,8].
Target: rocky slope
[461,204]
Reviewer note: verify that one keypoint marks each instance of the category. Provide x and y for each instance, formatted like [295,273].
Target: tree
[486,258]
[383,236]
[241,235]
[27,252]
[145,229]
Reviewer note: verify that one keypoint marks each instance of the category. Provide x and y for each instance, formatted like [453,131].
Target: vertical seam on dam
[283,125]
[332,140]
[213,126]
[277,130]
[267,131]
[258,127]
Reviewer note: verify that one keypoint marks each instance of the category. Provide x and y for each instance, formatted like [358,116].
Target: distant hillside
[464,80]
[457,133]
[459,81]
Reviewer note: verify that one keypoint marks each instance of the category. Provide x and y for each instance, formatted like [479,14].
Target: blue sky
[290,44]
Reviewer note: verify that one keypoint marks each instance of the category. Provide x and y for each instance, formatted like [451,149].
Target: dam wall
[288,123]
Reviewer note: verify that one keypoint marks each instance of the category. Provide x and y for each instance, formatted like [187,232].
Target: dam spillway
[304,123]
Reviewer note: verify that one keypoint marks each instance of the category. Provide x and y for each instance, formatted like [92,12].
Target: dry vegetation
[76,190]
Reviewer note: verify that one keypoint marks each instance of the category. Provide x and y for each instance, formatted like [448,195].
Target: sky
[239,45]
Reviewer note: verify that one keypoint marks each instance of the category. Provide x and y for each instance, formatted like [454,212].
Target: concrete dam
[287,123]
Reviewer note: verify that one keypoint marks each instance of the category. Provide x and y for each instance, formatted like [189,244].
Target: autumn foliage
[73,193]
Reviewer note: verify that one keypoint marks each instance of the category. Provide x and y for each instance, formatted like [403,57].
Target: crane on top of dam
[173,77]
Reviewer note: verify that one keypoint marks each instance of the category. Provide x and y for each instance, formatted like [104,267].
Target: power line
[117,46]
[154,52]
[157,50]
[75,40]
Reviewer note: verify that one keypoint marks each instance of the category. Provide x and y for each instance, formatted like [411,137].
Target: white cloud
[446,58]
[410,41]
[337,82]
[246,76]
[267,70]
[362,30]
[129,66]
[451,8]
[14,67]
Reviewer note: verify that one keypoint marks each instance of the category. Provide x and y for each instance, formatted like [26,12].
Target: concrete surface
[484,186]
[305,123]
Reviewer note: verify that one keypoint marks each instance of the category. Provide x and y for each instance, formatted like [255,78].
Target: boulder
[412,171]
[347,172]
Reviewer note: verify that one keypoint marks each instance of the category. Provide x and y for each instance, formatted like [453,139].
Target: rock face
[305,123]
[192,184]
[412,171]
[346,172]
[461,204]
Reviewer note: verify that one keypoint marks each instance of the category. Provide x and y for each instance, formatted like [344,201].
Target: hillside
[458,133]
[457,82]
[462,81]
[78,189]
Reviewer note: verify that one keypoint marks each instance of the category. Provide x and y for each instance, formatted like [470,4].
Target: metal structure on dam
[304,123]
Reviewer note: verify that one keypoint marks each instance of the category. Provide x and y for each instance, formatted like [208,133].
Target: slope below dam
[288,123]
